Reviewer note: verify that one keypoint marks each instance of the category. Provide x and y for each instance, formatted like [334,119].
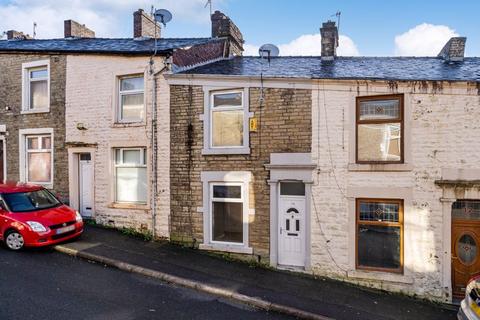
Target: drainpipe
[154,142]
[154,147]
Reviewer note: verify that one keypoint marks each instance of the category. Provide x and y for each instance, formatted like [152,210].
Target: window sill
[379,276]
[226,248]
[133,206]
[385,167]
[221,151]
[128,124]
[35,111]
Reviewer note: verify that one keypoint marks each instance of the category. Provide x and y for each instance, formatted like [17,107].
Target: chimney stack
[329,33]
[17,35]
[454,50]
[145,26]
[223,27]
[73,29]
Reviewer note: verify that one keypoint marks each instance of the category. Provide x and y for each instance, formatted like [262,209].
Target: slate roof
[379,68]
[101,45]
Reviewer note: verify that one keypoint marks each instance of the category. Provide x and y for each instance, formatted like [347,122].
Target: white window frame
[209,93]
[120,94]
[229,200]
[26,68]
[225,178]
[22,138]
[143,160]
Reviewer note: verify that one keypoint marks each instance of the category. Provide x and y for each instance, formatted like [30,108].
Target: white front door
[291,247]
[85,184]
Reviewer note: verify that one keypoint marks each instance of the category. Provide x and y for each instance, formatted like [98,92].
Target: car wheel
[14,240]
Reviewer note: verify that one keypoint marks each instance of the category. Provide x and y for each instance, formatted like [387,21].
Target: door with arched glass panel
[465,244]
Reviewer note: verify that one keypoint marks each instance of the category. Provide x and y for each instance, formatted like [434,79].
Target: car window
[30,201]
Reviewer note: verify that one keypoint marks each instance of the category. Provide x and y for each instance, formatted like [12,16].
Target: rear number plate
[65,229]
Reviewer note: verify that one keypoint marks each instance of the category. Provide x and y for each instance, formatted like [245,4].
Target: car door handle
[280,230]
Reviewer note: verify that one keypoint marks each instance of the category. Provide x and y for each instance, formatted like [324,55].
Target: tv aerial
[268,51]
[163,16]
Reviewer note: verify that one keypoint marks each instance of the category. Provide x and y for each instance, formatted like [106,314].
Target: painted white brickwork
[91,97]
[441,132]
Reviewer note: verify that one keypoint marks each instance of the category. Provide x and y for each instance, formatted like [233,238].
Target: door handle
[280,230]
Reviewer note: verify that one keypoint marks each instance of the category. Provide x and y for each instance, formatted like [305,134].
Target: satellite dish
[268,51]
[163,16]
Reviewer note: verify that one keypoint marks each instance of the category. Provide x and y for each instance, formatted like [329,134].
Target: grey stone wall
[10,113]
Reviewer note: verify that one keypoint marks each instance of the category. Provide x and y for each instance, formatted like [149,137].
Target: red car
[32,216]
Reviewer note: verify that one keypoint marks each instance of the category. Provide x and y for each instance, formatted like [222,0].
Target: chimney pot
[73,29]
[454,50]
[223,27]
[17,35]
[329,34]
[145,26]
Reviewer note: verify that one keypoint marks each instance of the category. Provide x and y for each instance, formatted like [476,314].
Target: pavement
[292,293]
[42,284]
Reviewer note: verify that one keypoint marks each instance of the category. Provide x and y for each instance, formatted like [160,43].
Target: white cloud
[308,45]
[423,40]
[108,18]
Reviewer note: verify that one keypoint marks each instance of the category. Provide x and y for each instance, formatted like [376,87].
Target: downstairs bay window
[130,171]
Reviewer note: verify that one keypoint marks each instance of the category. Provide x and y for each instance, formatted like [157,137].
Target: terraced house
[88,117]
[360,168]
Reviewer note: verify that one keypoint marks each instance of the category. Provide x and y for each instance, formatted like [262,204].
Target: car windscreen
[30,201]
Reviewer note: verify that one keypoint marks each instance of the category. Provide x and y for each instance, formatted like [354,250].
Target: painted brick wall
[444,130]
[286,118]
[11,97]
[91,100]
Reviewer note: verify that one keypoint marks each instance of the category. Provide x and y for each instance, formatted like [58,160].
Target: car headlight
[36,226]
[78,216]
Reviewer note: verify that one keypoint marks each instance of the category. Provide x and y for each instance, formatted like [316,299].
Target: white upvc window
[131,103]
[226,120]
[226,213]
[130,170]
[36,86]
[38,159]
[226,210]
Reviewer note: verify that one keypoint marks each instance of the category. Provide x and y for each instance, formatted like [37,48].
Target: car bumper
[51,237]
[465,312]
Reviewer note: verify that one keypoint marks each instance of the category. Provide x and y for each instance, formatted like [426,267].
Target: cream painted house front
[109,101]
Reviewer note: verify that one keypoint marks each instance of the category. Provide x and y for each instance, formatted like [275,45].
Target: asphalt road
[43,284]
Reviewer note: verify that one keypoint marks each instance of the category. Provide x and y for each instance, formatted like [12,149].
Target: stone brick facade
[11,116]
[285,122]
[440,144]
[440,123]
[92,95]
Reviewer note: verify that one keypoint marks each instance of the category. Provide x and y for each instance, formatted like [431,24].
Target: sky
[367,27]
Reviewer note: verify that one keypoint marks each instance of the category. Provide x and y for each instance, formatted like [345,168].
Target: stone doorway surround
[457,184]
[289,167]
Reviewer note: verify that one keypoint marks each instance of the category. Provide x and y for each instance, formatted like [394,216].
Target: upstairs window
[36,86]
[131,104]
[227,119]
[379,123]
